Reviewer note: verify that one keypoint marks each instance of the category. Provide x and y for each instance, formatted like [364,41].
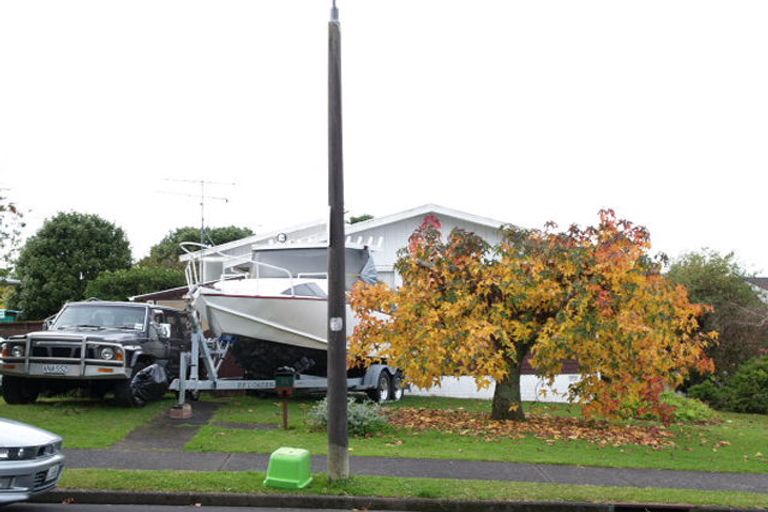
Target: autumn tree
[591,294]
[11,224]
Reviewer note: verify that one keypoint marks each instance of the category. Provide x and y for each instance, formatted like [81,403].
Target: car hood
[14,434]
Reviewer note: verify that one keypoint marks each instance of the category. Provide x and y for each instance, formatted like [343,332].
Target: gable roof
[356,227]
[421,211]
[760,282]
[253,239]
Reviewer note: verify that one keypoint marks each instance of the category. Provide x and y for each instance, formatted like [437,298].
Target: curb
[348,502]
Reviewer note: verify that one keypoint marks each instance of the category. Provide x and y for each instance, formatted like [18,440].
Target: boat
[273,305]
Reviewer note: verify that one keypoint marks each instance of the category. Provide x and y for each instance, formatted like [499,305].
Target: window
[305,290]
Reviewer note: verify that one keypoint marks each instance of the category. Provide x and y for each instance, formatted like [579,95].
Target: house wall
[309,235]
[395,236]
[532,388]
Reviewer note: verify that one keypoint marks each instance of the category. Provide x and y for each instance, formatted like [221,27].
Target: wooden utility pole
[338,444]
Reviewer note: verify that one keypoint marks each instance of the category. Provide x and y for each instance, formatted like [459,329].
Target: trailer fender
[371,377]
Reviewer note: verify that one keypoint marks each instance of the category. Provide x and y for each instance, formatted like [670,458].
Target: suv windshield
[99,316]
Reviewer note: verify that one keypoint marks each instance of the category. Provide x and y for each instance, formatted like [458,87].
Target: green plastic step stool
[289,468]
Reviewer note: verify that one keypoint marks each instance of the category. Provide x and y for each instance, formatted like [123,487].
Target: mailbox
[284,379]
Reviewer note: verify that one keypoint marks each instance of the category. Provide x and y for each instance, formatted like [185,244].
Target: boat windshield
[305,290]
[310,262]
[100,317]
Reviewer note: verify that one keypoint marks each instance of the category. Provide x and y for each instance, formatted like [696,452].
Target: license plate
[55,369]
[53,472]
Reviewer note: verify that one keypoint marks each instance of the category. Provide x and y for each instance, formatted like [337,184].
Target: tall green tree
[124,283]
[166,252]
[55,265]
[737,312]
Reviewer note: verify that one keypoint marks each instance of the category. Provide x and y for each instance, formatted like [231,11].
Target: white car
[31,461]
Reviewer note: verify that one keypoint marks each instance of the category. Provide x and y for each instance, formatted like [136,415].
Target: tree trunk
[507,404]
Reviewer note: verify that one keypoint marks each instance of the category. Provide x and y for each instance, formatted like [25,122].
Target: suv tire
[17,390]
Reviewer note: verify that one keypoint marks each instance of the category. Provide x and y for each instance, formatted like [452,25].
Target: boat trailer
[381,382]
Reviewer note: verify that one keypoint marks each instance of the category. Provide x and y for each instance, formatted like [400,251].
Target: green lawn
[251,482]
[739,444]
[83,423]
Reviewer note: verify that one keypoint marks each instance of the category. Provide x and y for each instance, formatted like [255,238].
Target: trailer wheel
[383,388]
[397,391]
[18,390]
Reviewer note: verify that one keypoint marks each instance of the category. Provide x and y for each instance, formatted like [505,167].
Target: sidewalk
[430,468]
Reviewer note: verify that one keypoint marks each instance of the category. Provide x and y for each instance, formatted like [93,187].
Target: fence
[10,329]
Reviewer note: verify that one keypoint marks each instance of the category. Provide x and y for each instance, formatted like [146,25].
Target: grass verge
[739,444]
[251,482]
[84,423]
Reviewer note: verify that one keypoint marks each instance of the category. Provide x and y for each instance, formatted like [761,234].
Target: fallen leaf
[544,427]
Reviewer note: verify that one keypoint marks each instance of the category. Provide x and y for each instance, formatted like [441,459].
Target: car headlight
[107,353]
[49,449]
[17,351]
[30,452]
[17,453]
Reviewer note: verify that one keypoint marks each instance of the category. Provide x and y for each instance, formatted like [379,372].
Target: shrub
[124,283]
[362,417]
[745,391]
[710,391]
[688,410]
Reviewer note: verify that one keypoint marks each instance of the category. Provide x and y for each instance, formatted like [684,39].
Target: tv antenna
[202,196]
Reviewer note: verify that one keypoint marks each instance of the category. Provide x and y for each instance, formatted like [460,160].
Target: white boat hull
[296,321]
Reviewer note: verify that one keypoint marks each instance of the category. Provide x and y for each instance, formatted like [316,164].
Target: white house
[387,235]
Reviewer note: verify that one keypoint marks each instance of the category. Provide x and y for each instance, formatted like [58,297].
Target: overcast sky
[520,111]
